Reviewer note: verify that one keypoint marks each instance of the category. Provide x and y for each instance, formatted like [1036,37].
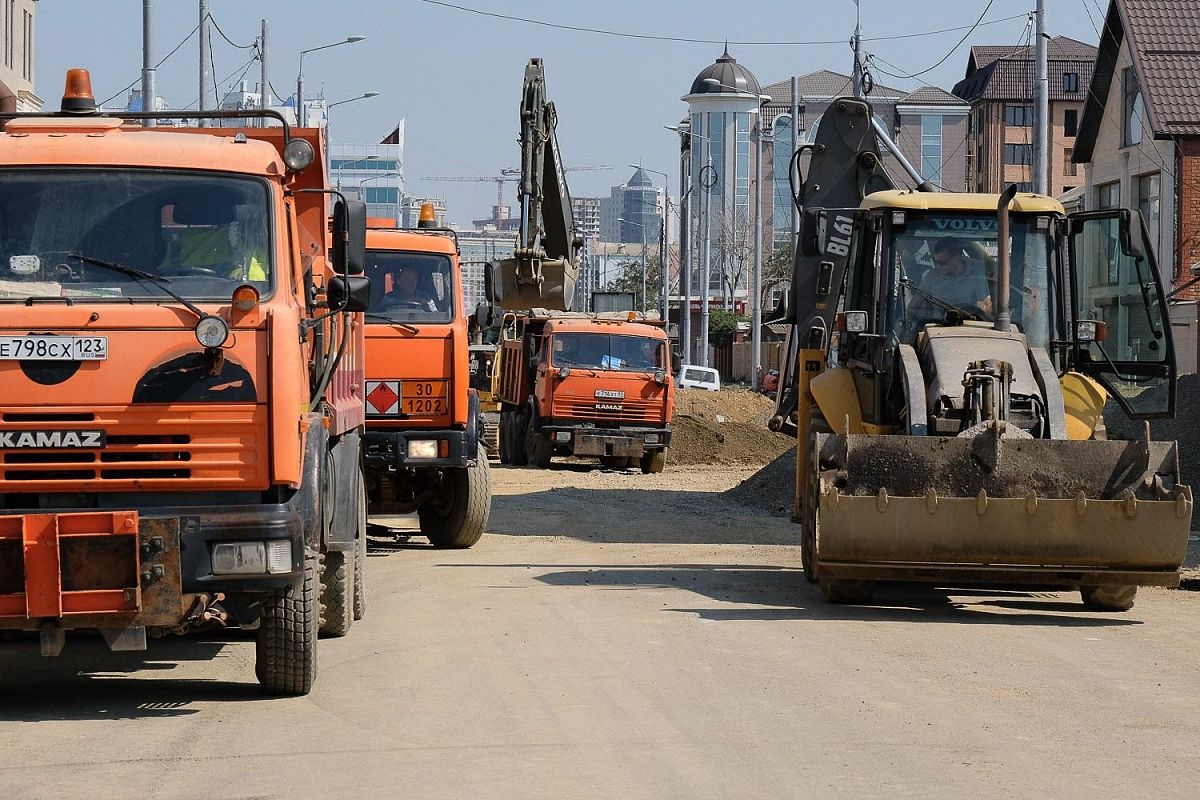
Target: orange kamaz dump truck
[580,384]
[181,381]
[423,449]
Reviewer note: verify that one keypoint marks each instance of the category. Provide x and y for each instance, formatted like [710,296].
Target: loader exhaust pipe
[1004,279]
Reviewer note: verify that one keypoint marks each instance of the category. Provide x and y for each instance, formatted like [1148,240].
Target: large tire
[1108,598]
[505,437]
[461,520]
[518,422]
[812,484]
[360,566]
[286,648]
[653,462]
[337,592]
[538,449]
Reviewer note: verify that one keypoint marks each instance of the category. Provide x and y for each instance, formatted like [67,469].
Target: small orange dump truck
[423,449]
[181,379]
[580,384]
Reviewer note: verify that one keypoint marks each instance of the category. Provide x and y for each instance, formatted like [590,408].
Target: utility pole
[1041,94]
[756,317]
[664,266]
[643,227]
[205,78]
[705,281]
[858,72]
[685,262]
[264,89]
[148,90]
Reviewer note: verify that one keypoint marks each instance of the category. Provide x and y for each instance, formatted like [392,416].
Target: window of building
[10,22]
[781,191]
[27,45]
[1019,154]
[381,194]
[1071,122]
[931,147]
[1024,186]
[1018,116]
[1108,195]
[1134,111]
[1069,167]
[1071,82]
[1148,187]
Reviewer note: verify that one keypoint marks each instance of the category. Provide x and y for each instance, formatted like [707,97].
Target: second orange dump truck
[423,450]
[596,385]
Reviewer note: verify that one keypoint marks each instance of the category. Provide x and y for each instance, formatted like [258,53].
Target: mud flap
[1001,510]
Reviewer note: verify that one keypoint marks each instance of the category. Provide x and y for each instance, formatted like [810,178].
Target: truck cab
[180,373]
[592,385]
[423,448]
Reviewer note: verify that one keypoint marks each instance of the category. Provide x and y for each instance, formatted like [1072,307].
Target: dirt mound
[772,488]
[725,427]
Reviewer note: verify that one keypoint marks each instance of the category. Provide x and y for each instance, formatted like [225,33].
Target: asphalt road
[631,636]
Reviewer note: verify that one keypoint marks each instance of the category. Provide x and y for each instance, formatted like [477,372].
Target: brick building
[999,86]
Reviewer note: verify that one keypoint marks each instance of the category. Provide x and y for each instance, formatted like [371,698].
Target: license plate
[610,394]
[53,348]
[424,406]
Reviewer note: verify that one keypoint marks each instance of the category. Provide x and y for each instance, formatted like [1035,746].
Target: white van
[691,377]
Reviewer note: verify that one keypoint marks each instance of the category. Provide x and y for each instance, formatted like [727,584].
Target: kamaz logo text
[50,440]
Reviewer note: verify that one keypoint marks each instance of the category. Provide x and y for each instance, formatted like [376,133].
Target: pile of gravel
[726,427]
[772,488]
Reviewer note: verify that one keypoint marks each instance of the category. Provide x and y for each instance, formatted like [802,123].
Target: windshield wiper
[388,320]
[139,275]
[945,305]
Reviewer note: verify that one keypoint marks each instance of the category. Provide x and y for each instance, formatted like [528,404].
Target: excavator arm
[543,269]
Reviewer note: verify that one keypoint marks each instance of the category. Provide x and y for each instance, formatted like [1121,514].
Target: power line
[952,50]
[690,40]
[174,50]
[244,68]
[232,43]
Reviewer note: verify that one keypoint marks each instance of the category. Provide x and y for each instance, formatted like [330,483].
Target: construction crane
[507,175]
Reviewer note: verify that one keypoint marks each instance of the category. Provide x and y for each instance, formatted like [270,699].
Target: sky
[455,76]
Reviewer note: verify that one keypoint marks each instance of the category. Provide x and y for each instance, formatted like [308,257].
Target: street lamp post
[301,116]
[350,165]
[363,96]
[708,175]
[664,271]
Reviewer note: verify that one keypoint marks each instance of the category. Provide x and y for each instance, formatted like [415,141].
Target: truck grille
[204,447]
[630,410]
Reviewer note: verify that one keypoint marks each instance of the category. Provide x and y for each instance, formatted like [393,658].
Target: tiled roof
[1006,73]
[824,84]
[931,96]
[1164,41]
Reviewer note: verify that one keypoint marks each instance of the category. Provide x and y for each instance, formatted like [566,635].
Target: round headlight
[298,154]
[211,331]
[564,372]
[660,377]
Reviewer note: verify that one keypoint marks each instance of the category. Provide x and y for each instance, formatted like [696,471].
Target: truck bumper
[599,442]
[127,569]
[387,451]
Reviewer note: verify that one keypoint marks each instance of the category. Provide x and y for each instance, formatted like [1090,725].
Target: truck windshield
[206,234]
[949,261]
[606,351]
[410,287]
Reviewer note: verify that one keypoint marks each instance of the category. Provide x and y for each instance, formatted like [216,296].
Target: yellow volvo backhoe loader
[952,357]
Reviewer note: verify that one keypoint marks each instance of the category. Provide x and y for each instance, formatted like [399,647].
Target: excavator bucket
[990,509]
[532,283]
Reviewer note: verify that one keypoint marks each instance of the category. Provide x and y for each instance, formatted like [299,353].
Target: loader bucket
[533,283]
[998,510]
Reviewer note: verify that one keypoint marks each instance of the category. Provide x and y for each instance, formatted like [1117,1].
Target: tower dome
[730,78]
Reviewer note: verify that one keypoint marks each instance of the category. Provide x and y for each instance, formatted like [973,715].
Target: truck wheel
[505,448]
[460,523]
[1108,598]
[337,593]
[846,592]
[286,648]
[360,559]
[516,438]
[538,449]
[653,462]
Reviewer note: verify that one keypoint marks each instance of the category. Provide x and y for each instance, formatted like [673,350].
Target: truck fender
[474,424]
[341,487]
[307,501]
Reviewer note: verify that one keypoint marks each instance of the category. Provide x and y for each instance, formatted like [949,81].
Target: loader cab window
[945,266]
[410,287]
[205,234]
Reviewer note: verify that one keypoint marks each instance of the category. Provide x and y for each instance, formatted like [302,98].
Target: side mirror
[485,317]
[350,294]
[490,284]
[350,237]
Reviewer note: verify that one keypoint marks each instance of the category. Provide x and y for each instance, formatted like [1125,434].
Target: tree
[722,326]
[733,248]
[629,279]
[777,271]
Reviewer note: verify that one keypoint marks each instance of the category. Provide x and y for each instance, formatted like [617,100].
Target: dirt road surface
[636,637]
